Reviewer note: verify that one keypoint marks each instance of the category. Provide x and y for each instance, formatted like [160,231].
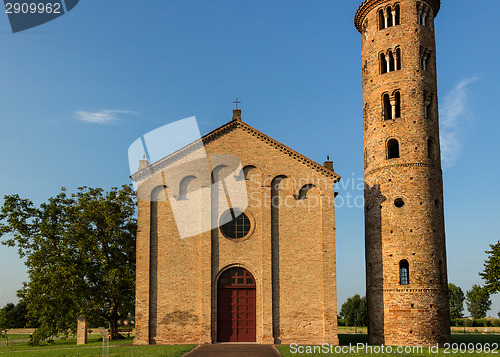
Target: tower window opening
[396,105]
[392,63]
[389,17]
[398,59]
[425,56]
[387,107]
[430,148]
[381,19]
[422,13]
[383,64]
[399,203]
[404,272]
[392,149]
[397,15]
[427,105]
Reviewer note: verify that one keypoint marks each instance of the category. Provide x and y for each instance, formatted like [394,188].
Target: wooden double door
[236,306]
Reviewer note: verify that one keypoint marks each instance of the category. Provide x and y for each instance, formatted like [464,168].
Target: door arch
[236,306]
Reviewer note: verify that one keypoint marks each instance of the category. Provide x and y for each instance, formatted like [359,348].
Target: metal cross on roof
[237,102]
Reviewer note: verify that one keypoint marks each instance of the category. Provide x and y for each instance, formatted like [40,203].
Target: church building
[245,253]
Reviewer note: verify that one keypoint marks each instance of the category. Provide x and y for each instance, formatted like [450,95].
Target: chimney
[143,164]
[328,164]
[236,114]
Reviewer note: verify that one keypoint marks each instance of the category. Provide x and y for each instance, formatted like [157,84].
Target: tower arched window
[392,62]
[397,15]
[404,272]
[425,56]
[387,107]
[383,63]
[396,103]
[427,105]
[431,148]
[381,20]
[422,14]
[392,149]
[389,17]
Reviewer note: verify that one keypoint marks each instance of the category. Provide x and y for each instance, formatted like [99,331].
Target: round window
[235,224]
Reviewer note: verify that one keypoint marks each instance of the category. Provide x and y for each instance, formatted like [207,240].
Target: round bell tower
[406,278]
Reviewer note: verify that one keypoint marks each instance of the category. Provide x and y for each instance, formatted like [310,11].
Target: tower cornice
[368,5]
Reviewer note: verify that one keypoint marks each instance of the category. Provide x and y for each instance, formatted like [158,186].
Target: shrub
[340,322]
[495,322]
[457,322]
[468,323]
[480,323]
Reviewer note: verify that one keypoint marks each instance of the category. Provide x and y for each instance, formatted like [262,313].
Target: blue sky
[76,92]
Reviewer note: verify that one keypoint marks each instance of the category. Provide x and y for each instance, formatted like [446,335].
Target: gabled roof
[221,131]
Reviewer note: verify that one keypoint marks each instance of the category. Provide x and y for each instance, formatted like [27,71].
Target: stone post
[81,337]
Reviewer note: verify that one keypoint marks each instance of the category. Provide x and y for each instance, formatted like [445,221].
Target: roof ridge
[217,132]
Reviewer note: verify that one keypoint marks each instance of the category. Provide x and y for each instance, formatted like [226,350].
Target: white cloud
[102,117]
[453,110]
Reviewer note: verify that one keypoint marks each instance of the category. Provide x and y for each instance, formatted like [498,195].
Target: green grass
[346,339]
[114,351]
[18,346]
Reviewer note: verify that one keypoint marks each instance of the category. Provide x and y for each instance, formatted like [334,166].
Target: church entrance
[236,306]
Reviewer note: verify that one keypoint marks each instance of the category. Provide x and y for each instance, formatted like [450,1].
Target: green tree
[457,299]
[80,254]
[13,316]
[491,272]
[355,311]
[478,302]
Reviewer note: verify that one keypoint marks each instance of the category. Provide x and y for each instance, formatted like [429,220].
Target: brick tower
[406,282]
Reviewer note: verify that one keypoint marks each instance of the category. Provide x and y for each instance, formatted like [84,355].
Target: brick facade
[290,252]
[412,228]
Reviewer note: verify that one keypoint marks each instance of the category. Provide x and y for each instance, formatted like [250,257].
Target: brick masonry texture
[417,313]
[291,252]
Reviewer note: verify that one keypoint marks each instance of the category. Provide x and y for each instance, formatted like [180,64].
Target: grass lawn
[346,339]
[18,346]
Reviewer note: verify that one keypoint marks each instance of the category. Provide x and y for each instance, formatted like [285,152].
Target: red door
[236,306]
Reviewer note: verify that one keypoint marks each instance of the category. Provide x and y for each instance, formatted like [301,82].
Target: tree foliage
[80,254]
[457,299]
[13,316]
[478,302]
[355,311]
[491,272]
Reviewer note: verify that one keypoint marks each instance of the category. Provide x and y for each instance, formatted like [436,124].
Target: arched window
[431,153]
[383,63]
[404,272]
[389,17]
[422,14]
[392,63]
[397,105]
[387,107]
[381,20]
[397,17]
[427,105]
[398,59]
[392,149]
[425,56]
